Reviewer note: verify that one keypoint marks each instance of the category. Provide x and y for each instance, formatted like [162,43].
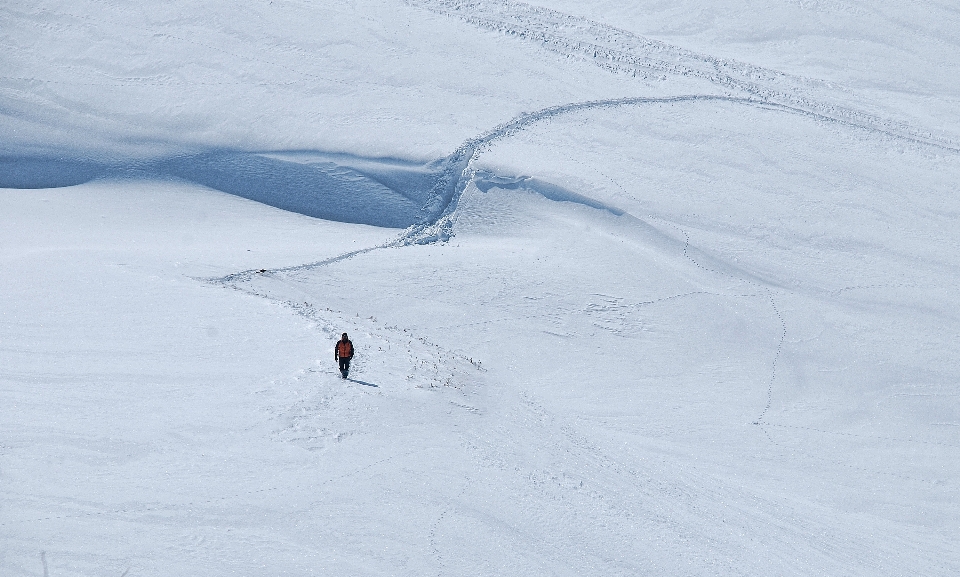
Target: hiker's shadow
[363,383]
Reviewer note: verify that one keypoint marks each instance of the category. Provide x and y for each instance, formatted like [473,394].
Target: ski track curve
[437,222]
[618,50]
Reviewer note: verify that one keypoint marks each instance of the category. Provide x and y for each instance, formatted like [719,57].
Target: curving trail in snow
[457,172]
[621,51]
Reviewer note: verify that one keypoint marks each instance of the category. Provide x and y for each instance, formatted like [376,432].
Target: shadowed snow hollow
[343,188]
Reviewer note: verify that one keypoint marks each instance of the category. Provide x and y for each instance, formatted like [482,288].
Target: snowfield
[636,288]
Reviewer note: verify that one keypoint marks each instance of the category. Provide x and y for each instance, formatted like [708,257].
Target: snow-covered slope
[653,289]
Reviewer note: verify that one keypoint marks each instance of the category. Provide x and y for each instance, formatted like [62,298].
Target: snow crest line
[618,50]
[437,215]
[458,172]
[437,221]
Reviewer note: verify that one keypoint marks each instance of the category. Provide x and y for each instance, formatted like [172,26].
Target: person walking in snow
[343,352]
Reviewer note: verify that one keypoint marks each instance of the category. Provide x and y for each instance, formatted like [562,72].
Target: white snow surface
[649,288]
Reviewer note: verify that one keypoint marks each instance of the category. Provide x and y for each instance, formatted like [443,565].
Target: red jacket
[344,350]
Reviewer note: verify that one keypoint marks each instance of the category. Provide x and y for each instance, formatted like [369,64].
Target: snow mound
[484,181]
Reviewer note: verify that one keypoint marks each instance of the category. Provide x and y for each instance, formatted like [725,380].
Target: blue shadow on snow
[47,172]
[381,192]
[321,189]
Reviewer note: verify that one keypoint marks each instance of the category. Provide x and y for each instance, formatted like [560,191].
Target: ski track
[430,366]
[773,304]
[432,535]
[618,50]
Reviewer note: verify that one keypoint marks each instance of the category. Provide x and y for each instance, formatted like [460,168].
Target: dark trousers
[344,366]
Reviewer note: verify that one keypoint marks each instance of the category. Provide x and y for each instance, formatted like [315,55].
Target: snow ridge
[437,215]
